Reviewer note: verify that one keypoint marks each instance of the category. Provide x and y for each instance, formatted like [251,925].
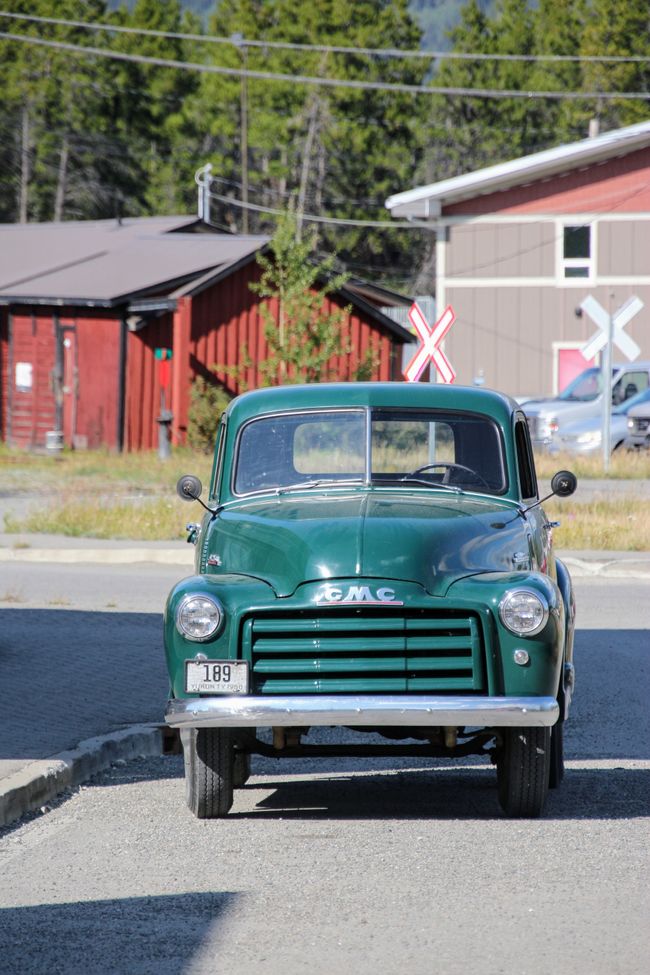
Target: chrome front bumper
[351,710]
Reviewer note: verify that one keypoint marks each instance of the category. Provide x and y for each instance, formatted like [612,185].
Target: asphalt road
[361,866]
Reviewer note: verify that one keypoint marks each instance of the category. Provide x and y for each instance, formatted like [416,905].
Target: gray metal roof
[106,262]
[427,201]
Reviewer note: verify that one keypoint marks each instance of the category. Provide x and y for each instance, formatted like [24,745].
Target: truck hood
[431,539]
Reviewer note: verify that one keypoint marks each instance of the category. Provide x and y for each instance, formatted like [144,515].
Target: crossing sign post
[610,332]
[430,339]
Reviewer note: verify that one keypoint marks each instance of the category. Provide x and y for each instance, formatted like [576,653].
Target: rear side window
[525,461]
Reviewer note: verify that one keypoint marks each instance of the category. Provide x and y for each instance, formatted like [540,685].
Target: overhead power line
[326,82]
[340,221]
[240,41]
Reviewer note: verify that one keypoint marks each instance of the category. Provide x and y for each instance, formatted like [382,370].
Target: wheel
[209,766]
[523,770]
[241,770]
[557,755]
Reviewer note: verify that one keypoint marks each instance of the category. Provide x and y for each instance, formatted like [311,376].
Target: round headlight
[199,617]
[523,611]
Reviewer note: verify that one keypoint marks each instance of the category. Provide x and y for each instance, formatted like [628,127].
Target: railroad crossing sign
[430,339]
[620,319]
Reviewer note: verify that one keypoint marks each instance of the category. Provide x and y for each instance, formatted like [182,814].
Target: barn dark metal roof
[103,263]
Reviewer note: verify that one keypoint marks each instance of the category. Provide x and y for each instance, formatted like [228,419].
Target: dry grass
[601,525]
[623,465]
[159,520]
[98,494]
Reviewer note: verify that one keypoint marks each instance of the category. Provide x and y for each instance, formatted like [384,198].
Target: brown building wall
[624,247]
[498,250]
[506,335]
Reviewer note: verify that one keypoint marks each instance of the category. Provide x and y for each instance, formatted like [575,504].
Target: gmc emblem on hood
[354,595]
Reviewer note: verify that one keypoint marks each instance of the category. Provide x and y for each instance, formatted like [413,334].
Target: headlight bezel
[182,608]
[530,592]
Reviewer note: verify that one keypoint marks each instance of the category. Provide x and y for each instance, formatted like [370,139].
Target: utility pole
[25,167]
[238,40]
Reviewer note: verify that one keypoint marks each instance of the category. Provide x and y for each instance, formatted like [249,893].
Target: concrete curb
[40,781]
[629,568]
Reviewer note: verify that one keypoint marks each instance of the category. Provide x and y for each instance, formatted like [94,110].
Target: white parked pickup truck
[582,398]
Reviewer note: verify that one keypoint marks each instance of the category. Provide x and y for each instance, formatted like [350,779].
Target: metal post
[607,388]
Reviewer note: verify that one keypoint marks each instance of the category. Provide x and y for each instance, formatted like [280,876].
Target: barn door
[66,381]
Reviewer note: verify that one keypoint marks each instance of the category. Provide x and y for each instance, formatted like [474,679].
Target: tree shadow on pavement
[156,935]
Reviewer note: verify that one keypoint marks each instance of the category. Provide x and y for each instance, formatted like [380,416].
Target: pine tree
[619,29]
[301,338]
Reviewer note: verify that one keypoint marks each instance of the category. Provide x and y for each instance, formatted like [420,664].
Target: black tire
[241,770]
[523,771]
[209,764]
[557,755]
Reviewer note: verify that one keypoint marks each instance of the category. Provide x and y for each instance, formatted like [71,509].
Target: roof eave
[428,202]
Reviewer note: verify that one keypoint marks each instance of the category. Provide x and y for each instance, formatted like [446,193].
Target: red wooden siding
[143,388]
[618,185]
[98,364]
[28,413]
[90,378]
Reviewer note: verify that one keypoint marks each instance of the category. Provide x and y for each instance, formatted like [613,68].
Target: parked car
[375,557]
[582,399]
[638,424]
[585,436]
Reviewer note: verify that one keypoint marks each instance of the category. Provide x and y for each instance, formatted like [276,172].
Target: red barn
[89,309]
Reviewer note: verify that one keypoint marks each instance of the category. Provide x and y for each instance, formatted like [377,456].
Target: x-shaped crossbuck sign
[430,339]
[620,319]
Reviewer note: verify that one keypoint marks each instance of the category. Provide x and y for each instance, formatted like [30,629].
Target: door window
[628,385]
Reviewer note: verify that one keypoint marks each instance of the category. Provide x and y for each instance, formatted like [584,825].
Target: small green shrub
[207,403]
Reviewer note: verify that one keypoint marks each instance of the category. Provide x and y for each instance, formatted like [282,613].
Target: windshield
[450,451]
[585,387]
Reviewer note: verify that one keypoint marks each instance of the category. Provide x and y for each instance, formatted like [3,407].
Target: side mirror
[189,487]
[564,483]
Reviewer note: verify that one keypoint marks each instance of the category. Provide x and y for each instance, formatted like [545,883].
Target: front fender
[234,592]
[568,671]
[541,675]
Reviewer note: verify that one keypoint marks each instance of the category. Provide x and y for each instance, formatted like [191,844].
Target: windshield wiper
[307,485]
[405,479]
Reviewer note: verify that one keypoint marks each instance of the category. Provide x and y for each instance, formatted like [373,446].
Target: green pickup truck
[373,557]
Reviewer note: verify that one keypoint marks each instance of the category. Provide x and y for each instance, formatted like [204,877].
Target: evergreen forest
[84,135]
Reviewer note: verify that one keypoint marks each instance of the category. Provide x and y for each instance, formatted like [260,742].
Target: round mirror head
[564,483]
[189,487]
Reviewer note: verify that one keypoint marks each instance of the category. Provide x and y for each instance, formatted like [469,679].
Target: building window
[577,251]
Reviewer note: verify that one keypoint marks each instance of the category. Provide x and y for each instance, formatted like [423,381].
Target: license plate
[216,677]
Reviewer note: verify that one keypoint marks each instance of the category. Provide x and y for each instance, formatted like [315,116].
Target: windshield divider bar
[368,448]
